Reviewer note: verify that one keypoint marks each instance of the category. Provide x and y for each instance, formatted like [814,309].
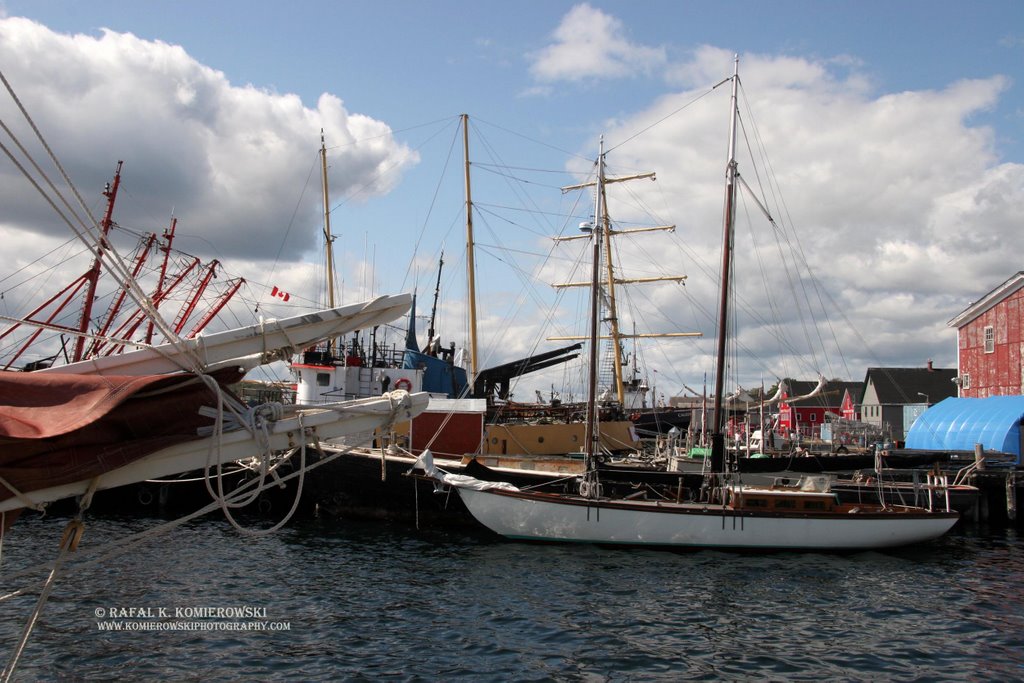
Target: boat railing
[925,494]
[938,483]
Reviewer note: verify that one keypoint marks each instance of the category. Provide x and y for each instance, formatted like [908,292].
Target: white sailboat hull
[249,346]
[549,517]
[325,422]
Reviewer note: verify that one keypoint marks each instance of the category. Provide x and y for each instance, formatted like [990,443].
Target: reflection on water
[376,601]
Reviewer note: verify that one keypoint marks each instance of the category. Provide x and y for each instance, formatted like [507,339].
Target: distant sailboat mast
[429,350]
[616,336]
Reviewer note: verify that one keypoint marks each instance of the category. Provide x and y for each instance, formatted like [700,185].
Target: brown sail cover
[57,429]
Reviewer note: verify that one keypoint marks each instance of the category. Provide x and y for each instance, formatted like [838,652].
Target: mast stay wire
[90,236]
[785,225]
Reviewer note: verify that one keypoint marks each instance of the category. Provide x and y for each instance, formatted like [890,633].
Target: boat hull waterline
[558,518]
[358,417]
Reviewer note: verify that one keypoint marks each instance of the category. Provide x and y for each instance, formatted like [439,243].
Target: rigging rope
[88,233]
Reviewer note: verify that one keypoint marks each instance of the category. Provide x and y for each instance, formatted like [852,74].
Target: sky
[886,140]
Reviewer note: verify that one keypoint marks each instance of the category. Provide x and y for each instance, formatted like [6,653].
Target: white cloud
[231,158]
[896,200]
[590,44]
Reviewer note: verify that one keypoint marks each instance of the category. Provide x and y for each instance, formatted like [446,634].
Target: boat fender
[404,384]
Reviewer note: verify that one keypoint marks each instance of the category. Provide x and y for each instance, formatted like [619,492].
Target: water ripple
[377,602]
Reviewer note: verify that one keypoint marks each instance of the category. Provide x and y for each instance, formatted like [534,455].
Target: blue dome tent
[957,424]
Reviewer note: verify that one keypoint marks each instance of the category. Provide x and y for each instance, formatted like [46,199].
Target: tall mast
[328,238]
[613,316]
[592,433]
[93,276]
[470,267]
[718,436]
[616,334]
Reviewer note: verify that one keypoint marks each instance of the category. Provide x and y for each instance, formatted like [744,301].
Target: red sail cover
[57,429]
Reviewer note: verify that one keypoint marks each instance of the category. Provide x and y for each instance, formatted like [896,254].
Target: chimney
[930,368]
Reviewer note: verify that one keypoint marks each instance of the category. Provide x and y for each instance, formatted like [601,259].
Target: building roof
[957,424]
[988,301]
[897,386]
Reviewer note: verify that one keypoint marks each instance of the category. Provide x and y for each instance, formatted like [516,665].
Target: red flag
[280,294]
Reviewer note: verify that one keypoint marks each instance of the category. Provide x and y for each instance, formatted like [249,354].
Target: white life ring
[404,384]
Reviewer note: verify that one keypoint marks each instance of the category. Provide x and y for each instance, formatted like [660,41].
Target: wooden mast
[718,435]
[592,433]
[613,316]
[328,238]
[474,368]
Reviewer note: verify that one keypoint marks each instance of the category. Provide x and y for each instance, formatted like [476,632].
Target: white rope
[295,501]
[91,237]
[26,501]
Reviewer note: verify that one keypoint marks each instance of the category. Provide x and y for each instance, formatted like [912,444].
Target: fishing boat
[727,513]
[358,367]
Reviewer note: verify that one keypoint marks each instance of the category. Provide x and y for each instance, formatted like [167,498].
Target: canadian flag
[280,294]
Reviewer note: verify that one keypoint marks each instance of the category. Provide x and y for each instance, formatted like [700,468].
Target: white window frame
[990,339]
[966,381]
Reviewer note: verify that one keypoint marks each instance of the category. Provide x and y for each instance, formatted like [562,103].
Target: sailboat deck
[772,504]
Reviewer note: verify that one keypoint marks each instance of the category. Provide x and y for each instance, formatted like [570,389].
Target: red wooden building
[989,342]
[807,415]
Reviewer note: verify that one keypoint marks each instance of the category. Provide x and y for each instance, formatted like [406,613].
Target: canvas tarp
[57,429]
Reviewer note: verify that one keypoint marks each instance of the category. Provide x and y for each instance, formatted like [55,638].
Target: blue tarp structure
[957,424]
[439,376]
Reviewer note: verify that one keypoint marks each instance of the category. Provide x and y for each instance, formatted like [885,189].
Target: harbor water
[333,600]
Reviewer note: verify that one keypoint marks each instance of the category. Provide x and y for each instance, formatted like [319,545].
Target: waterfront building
[990,342]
